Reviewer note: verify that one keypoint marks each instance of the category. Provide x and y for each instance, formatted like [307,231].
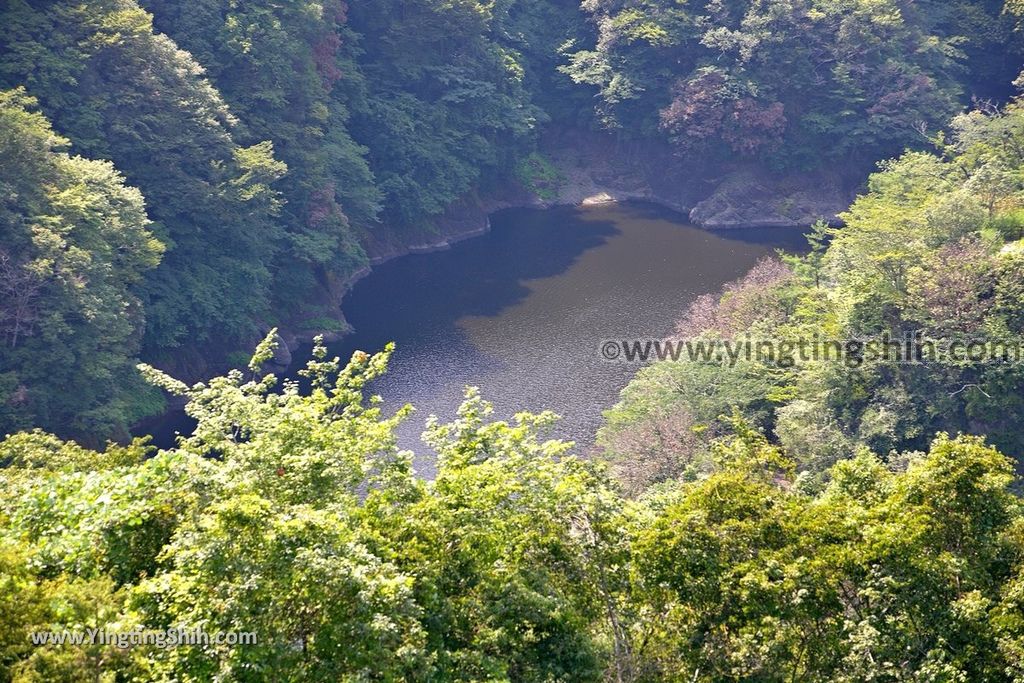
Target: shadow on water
[416,300]
[521,311]
[421,294]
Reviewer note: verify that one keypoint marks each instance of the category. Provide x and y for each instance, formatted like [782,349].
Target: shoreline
[594,169]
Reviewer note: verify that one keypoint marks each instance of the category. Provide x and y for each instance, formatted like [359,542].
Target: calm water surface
[521,311]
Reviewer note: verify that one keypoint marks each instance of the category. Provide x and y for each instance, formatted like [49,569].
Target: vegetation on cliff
[273,141]
[932,251]
[174,174]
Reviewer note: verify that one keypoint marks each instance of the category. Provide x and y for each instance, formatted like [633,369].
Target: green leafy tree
[289,74]
[444,98]
[786,79]
[75,244]
[122,92]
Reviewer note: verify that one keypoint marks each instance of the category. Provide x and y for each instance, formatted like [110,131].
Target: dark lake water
[521,311]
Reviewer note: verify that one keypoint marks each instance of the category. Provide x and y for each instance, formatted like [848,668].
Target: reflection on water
[521,311]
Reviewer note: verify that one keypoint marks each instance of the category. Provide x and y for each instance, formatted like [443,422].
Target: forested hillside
[932,249]
[181,179]
[76,244]
[797,82]
[293,516]
[272,141]
[771,521]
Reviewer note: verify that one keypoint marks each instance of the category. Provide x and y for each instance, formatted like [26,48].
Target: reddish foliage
[903,95]
[956,288]
[702,109]
[741,303]
[752,126]
[340,13]
[655,449]
[325,53]
[696,111]
[325,50]
[322,205]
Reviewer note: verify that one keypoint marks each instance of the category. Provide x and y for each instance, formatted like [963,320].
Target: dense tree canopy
[292,514]
[121,92]
[798,81]
[287,73]
[74,244]
[933,249]
[178,177]
[274,143]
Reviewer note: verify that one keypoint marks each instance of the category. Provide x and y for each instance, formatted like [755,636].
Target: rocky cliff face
[593,167]
[596,167]
[751,198]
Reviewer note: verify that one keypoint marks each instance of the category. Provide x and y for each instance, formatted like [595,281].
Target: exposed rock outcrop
[750,198]
[594,167]
[597,167]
